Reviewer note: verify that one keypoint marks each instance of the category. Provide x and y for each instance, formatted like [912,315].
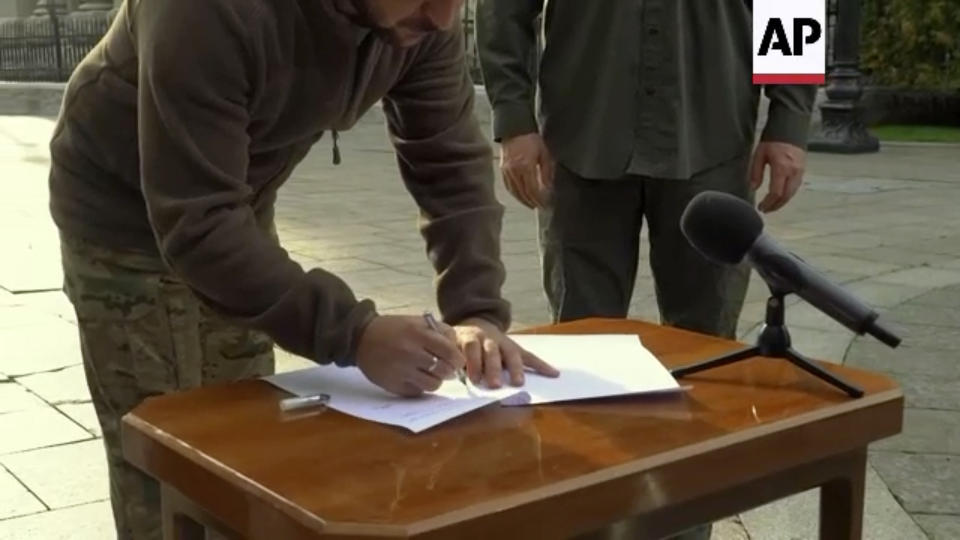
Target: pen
[297,403]
[432,323]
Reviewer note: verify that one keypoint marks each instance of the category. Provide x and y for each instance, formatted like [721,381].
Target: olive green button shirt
[659,88]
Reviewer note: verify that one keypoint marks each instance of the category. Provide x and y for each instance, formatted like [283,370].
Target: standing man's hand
[787,163]
[403,355]
[489,351]
[527,168]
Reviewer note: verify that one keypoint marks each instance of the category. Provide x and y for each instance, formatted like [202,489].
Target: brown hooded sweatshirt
[178,128]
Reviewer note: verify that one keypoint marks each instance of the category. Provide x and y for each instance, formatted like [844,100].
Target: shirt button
[649,91]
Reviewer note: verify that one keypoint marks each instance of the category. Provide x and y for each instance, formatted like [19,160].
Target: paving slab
[924,483]
[902,255]
[930,391]
[794,518]
[62,476]
[915,313]
[850,265]
[952,264]
[306,243]
[754,311]
[924,275]
[906,359]
[881,294]
[36,243]
[806,315]
[67,385]
[15,499]
[947,246]
[729,529]
[39,348]
[948,297]
[385,277]
[946,527]
[906,162]
[53,302]
[17,316]
[848,240]
[335,266]
[856,185]
[929,431]
[14,397]
[83,414]
[933,337]
[85,522]
[7,298]
[645,309]
[37,428]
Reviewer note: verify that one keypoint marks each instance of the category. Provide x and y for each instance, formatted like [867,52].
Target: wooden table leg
[184,520]
[841,501]
[177,523]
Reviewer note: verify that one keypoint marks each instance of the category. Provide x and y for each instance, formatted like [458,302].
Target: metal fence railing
[48,48]
[469,30]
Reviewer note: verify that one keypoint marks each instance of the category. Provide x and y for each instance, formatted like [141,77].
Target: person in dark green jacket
[631,108]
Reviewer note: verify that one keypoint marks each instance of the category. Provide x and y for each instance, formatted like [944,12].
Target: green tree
[913,43]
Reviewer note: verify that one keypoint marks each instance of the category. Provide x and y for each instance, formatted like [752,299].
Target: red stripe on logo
[788,78]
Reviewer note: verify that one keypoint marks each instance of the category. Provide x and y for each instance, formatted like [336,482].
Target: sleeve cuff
[499,317]
[361,317]
[785,125]
[512,119]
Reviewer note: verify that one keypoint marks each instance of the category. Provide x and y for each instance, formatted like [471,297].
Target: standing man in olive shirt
[642,105]
[174,135]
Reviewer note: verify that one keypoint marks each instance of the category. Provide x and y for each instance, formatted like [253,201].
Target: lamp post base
[842,131]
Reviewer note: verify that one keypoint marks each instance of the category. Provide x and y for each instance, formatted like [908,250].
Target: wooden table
[744,435]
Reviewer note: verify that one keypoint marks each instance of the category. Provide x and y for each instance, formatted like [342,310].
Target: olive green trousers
[590,243]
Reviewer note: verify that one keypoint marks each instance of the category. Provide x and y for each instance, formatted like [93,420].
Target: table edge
[630,468]
[321,525]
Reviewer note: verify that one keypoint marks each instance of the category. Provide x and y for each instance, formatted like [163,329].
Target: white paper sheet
[591,366]
[351,393]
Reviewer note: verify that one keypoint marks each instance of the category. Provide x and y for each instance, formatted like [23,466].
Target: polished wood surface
[546,471]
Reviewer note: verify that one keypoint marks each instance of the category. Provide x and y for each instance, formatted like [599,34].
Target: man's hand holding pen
[409,355]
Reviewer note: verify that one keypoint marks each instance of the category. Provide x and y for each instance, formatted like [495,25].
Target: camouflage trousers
[144,333]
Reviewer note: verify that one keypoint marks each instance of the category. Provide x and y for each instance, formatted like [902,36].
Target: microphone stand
[774,342]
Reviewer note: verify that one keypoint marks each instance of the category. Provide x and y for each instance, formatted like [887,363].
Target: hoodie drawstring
[336,148]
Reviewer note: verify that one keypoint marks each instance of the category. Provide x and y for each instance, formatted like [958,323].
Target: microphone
[727,230]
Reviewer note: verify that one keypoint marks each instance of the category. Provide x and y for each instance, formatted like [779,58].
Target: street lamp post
[841,128]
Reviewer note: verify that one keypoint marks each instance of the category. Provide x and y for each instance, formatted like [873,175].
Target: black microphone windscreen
[721,226]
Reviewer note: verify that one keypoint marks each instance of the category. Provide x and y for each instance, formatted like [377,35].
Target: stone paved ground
[885,224]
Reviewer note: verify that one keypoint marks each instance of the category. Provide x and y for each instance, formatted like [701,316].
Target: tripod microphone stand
[774,341]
